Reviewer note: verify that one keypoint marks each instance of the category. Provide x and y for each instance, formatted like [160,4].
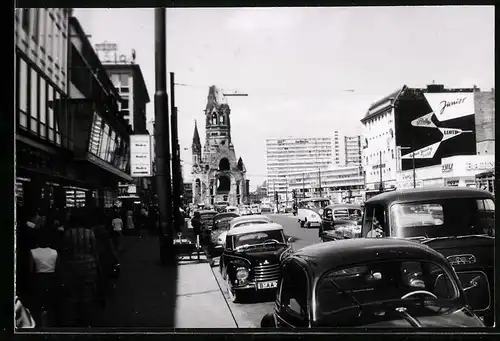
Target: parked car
[369,283]
[220,226]
[251,259]
[340,221]
[232,209]
[310,211]
[265,208]
[456,221]
[245,210]
[255,209]
[206,225]
[243,221]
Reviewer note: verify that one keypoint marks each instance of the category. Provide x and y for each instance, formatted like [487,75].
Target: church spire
[196,136]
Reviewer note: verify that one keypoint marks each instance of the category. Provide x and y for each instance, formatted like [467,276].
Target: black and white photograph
[266,168]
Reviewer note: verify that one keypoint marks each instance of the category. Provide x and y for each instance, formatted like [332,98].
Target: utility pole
[320,189]
[286,194]
[381,189]
[303,186]
[275,196]
[162,136]
[414,175]
[176,193]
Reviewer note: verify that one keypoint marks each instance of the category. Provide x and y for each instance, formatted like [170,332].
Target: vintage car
[369,283]
[251,259]
[310,211]
[245,210]
[243,221]
[255,209]
[456,221]
[340,221]
[206,225]
[220,225]
[232,209]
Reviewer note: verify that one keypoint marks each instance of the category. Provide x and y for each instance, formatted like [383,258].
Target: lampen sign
[108,53]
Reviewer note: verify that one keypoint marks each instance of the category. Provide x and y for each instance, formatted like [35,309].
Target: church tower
[218,124]
[196,146]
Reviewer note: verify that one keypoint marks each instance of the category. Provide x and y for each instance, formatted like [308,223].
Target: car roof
[431,193]
[314,199]
[254,228]
[328,255]
[334,206]
[207,211]
[252,217]
[225,215]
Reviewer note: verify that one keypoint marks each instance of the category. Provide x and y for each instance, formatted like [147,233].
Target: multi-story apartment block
[352,150]
[290,154]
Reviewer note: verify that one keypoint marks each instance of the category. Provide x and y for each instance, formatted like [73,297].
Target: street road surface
[250,313]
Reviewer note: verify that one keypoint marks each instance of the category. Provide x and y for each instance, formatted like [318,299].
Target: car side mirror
[289,239]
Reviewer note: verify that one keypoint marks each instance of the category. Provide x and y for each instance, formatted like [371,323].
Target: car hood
[271,254]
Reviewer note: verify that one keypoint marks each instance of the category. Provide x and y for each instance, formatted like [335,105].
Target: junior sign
[140,156]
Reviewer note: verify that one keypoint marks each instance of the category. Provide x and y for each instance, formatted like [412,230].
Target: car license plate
[267,285]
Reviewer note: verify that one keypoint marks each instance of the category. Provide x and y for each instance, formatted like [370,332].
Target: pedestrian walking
[196,223]
[117,224]
[79,265]
[44,267]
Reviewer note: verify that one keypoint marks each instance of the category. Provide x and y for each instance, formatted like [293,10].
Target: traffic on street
[282,169]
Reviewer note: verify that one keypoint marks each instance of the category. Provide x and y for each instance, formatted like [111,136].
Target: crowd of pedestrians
[67,260]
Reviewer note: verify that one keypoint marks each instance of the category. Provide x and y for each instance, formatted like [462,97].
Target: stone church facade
[216,172]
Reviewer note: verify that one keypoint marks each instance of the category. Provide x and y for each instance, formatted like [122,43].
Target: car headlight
[241,273]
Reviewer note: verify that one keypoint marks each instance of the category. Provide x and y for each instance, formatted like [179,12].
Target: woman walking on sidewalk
[117,224]
[79,270]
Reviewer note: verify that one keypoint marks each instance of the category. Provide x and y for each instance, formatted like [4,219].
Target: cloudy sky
[307,71]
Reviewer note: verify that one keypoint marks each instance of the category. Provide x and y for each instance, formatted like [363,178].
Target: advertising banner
[432,126]
[140,156]
[467,166]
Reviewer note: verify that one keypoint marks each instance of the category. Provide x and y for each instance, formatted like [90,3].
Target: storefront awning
[104,165]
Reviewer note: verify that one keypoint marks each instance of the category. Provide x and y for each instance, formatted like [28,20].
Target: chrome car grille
[269,272]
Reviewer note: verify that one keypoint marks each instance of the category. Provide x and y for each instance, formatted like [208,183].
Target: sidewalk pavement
[150,295]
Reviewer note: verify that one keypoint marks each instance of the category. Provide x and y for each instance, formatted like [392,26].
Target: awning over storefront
[104,165]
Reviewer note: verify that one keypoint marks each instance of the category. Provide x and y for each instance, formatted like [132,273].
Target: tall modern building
[352,150]
[294,154]
[128,79]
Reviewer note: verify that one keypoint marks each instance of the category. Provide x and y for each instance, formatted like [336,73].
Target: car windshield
[347,213]
[258,238]
[250,222]
[223,222]
[431,219]
[384,285]
[314,204]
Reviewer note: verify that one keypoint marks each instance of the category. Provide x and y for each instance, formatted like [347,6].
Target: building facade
[293,155]
[216,172]
[484,108]
[43,139]
[335,183]
[416,128]
[338,154]
[352,150]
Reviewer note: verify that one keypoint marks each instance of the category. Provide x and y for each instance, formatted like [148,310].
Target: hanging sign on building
[108,53]
[140,156]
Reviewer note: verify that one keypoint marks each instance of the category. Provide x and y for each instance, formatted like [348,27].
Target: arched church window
[221,119]
[214,118]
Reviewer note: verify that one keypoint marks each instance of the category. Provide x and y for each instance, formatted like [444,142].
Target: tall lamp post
[162,134]
[413,165]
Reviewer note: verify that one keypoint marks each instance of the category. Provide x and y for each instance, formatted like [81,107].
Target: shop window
[26,20]
[34,100]
[23,93]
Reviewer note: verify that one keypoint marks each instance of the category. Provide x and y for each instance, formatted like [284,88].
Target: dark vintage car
[458,222]
[340,221]
[220,225]
[206,225]
[369,283]
[252,257]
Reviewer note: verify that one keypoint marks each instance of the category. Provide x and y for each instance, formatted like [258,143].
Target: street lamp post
[162,135]
[381,186]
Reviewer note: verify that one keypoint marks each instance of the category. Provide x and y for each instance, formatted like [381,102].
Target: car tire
[301,223]
[233,296]
[268,321]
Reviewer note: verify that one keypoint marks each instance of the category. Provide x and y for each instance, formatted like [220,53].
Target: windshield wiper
[351,297]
